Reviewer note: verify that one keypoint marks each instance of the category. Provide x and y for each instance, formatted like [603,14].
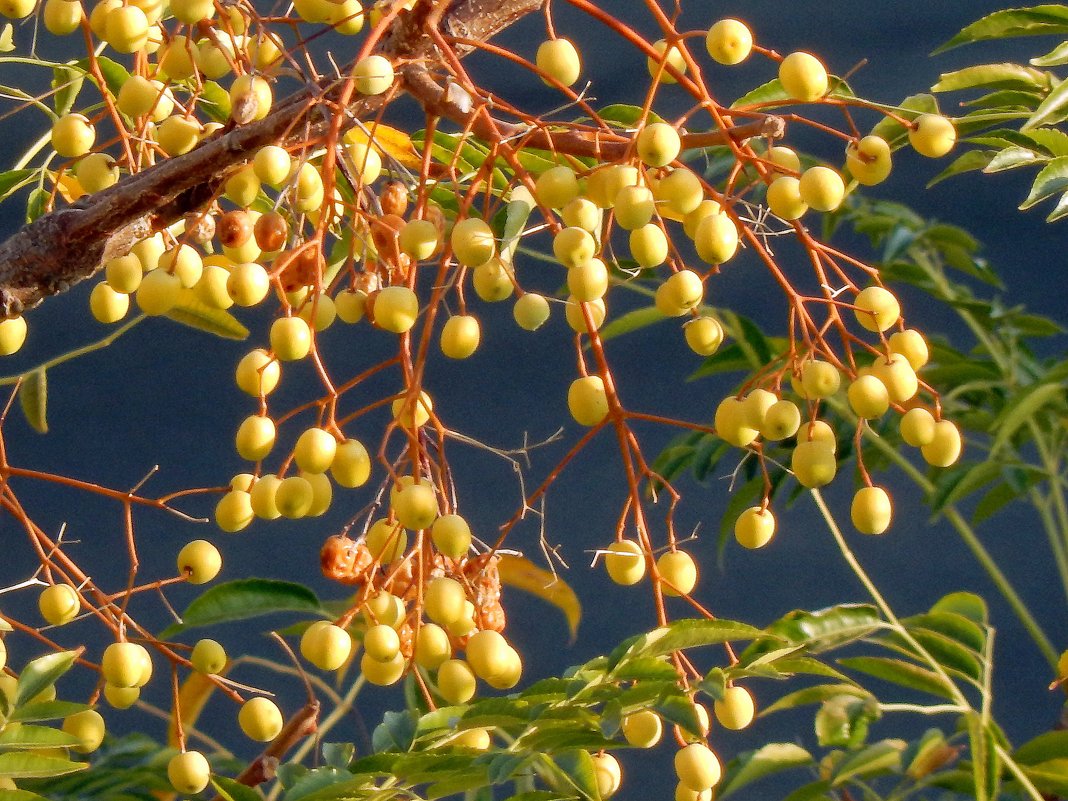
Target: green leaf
[986,768]
[881,757]
[1035,21]
[33,399]
[1022,408]
[243,599]
[517,213]
[1046,746]
[395,733]
[992,76]
[215,102]
[1050,778]
[966,162]
[772,94]
[1054,140]
[689,633]
[41,674]
[579,770]
[115,75]
[631,321]
[626,116]
[30,736]
[751,766]
[828,628]
[970,478]
[816,695]
[192,312]
[46,710]
[1054,58]
[16,765]
[900,672]
[1051,180]
[995,499]
[680,711]
[1010,158]
[68,83]
[1051,110]
[966,604]
[13,180]
[843,720]
[950,624]
[36,203]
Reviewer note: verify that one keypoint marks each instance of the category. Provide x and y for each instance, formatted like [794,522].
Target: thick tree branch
[61,248]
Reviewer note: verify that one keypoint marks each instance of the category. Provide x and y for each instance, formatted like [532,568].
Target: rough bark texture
[61,248]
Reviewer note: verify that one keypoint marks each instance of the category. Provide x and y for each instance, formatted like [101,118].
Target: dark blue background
[165,396]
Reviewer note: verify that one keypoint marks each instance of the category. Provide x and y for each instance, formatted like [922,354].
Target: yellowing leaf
[7,38]
[33,398]
[190,311]
[67,186]
[389,141]
[521,573]
[192,696]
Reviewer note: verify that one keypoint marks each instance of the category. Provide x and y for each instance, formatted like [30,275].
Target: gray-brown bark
[67,245]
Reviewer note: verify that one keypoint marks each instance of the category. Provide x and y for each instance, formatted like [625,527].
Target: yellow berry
[88,727]
[932,135]
[643,729]
[557,186]
[559,59]
[262,497]
[59,604]
[607,772]
[755,527]
[396,309]
[910,344]
[781,420]
[255,437]
[208,657]
[704,335]
[158,292]
[456,681]
[868,397]
[373,75]
[732,423]
[432,646]
[199,561]
[716,238]
[472,242]
[819,379]
[189,772]
[784,198]
[73,135]
[945,447]
[260,719]
[460,336]
[868,160]
[736,709]
[821,188]
[918,427]
[587,400]
[352,464]
[649,246]
[258,373]
[412,412]
[383,674]
[105,304]
[124,664]
[451,536]
[381,642]
[697,767]
[729,41]
[625,562]
[416,506]
[291,338]
[658,144]
[876,308]
[444,600]
[803,77]
[813,463]
[419,239]
[293,497]
[678,571]
[673,59]
[871,510]
[897,376]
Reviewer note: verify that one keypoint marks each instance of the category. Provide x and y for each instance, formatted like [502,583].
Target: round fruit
[411,412]
[97,171]
[477,739]
[607,772]
[556,187]
[432,646]
[784,198]
[262,497]
[678,571]
[704,335]
[559,59]
[107,305]
[416,506]
[910,344]
[124,664]
[729,41]
[451,536]
[817,431]
[124,273]
[350,305]
[248,284]
[754,527]
[291,338]
[419,239]
[588,281]
[250,99]
[260,719]
[258,373]
[510,671]
[918,427]
[293,497]
[189,772]
[208,657]
[88,727]
[531,311]
[383,674]
[492,280]
[121,697]
[819,379]
[373,75]
[684,793]
[59,604]
[821,188]
[876,308]
[680,191]
[576,317]
[706,208]
[781,420]
[658,144]
[868,160]
[158,292]
[716,238]
[472,242]
[385,608]
[255,437]
[488,654]
[634,207]
[697,767]
[444,600]
[387,541]
[73,135]
[803,77]
[813,463]
[352,464]
[643,729]
[868,397]
[680,294]
[932,135]
[573,246]
[192,11]
[322,493]
[625,562]
[178,135]
[315,450]
[945,447]
[139,96]
[649,246]
[587,401]
[732,423]
[897,376]
[381,642]
[17,9]
[674,59]
[456,681]
[460,336]
[396,309]
[199,561]
[736,709]
[582,213]
[871,510]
